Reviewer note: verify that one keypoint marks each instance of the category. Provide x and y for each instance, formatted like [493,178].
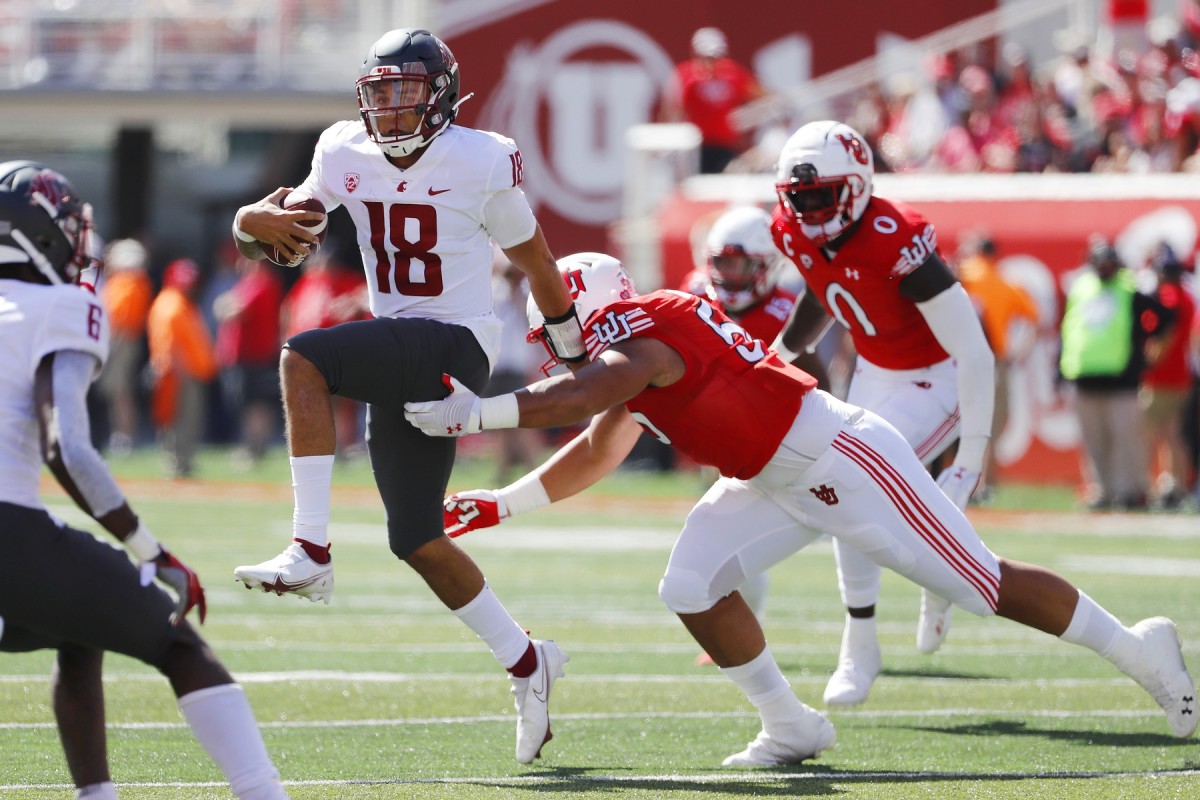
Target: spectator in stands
[1010,320]
[329,293]
[1109,332]
[705,90]
[515,366]
[248,355]
[181,363]
[126,293]
[1166,385]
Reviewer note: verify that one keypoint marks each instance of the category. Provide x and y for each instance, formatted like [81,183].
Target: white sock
[312,477]
[860,635]
[97,791]
[1096,629]
[507,640]
[766,688]
[221,720]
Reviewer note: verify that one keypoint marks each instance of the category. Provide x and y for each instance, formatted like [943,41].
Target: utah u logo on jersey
[612,329]
[825,494]
[922,246]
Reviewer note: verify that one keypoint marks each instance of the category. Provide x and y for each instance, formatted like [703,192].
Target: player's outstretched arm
[583,461]
[951,317]
[60,391]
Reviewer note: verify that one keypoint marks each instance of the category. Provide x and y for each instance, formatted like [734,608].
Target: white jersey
[35,321]
[425,232]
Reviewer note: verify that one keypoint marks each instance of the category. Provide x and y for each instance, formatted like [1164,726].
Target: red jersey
[251,338]
[860,285]
[707,98]
[1173,370]
[736,400]
[763,320]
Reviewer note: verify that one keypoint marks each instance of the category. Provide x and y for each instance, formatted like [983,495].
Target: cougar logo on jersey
[351,181]
[922,246]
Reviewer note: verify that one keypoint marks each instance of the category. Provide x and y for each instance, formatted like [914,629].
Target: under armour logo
[400,187]
[825,494]
[852,274]
[452,429]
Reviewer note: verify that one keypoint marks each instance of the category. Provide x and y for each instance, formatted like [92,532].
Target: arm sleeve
[954,323]
[72,374]
[507,218]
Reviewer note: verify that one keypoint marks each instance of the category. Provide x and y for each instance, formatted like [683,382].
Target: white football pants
[922,404]
[841,471]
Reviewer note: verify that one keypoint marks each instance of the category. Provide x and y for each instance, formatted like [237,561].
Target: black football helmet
[410,73]
[44,222]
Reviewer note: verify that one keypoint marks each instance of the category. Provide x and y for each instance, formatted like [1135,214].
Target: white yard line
[730,777]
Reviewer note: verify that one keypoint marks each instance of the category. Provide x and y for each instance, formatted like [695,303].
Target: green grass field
[383,694]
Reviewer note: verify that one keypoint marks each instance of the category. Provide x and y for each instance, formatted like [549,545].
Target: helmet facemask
[388,96]
[824,207]
[739,279]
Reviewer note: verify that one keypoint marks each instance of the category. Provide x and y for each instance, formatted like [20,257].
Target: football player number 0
[417,270]
[749,348]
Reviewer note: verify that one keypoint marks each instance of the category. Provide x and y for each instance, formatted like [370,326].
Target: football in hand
[300,202]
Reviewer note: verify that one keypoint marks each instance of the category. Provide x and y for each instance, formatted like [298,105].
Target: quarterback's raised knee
[686,592]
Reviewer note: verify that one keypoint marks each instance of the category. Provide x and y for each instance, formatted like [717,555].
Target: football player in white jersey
[66,590]
[427,199]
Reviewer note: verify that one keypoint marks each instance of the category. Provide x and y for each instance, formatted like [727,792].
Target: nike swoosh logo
[542,693]
[433,191]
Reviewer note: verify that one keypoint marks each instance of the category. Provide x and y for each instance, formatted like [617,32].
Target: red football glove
[469,511]
[182,579]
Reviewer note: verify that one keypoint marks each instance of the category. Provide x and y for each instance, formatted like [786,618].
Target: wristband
[565,336]
[241,234]
[142,544]
[499,412]
[523,495]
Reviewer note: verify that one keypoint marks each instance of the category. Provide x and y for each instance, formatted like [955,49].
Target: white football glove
[958,483]
[456,415]
[464,512]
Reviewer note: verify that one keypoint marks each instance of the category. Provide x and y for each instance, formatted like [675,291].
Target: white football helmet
[824,179]
[740,258]
[594,280]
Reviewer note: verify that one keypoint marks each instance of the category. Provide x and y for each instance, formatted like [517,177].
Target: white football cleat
[934,622]
[787,745]
[1158,667]
[290,572]
[532,698]
[858,666]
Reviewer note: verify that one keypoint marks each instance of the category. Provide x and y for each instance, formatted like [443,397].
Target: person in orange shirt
[182,361]
[1010,320]
[126,293]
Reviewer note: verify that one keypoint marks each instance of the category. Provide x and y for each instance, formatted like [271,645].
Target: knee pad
[686,592]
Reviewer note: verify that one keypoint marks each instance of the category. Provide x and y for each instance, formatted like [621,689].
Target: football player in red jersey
[924,363]
[740,277]
[795,463]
